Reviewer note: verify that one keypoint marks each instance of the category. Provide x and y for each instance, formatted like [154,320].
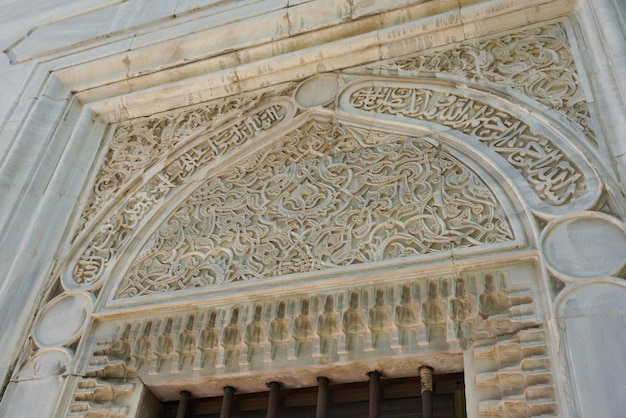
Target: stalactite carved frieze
[516,380]
[493,314]
[117,228]
[537,62]
[552,175]
[363,322]
[326,195]
[95,398]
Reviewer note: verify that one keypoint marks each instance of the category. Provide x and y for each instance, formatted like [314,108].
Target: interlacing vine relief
[139,143]
[118,227]
[554,177]
[537,62]
[324,196]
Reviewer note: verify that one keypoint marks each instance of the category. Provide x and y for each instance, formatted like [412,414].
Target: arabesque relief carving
[139,143]
[117,229]
[324,196]
[537,62]
[552,175]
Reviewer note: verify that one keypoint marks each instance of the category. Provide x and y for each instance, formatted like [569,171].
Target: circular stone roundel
[585,245]
[62,320]
[317,91]
[47,362]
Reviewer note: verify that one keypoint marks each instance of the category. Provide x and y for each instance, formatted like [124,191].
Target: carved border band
[557,180]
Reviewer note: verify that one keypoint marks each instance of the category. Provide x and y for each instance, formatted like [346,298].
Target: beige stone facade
[226,193]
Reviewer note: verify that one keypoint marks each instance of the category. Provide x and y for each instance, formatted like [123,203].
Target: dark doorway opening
[399,398]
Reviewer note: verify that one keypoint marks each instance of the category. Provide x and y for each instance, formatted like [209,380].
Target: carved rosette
[324,196]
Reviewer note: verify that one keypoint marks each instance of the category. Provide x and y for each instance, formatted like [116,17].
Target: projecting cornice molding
[204,61]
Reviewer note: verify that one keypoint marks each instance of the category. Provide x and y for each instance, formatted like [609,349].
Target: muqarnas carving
[324,196]
[488,313]
[515,379]
[364,322]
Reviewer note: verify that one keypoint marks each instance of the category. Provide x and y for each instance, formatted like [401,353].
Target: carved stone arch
[472,307]
[553,176]
[201,102]
[495,141]
[559,178]
[449,130]
[319,136]
[539,64]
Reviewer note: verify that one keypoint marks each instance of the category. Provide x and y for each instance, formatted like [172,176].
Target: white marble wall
[69,68]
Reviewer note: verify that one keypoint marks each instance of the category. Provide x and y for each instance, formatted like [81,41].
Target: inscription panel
[115,230]
[558,180]
[538,62]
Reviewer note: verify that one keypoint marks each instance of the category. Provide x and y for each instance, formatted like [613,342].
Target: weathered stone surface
[254,190]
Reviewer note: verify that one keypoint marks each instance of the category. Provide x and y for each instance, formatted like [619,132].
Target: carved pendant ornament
[148,160]
[326,195]
[554,178]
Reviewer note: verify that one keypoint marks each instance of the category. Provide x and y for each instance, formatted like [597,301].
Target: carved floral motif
[323,196]
[537,62]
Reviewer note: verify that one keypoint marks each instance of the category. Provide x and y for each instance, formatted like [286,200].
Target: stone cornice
[197,69]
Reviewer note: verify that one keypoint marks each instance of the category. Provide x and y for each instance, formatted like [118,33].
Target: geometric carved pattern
[555,179]
[323,196]
[537,62]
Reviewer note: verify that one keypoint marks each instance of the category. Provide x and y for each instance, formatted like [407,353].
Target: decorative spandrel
[555,177]
[97,248]
[325,195]
[537,62]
